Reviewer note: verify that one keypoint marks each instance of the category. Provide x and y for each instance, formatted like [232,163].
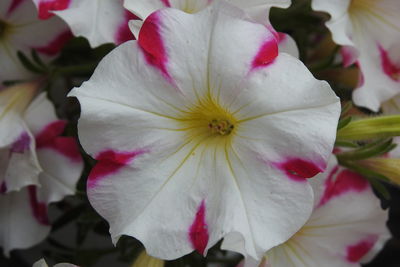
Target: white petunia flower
[38,166]
[100,21]
[21,30]
[348,225]
[202,131]
[369,30]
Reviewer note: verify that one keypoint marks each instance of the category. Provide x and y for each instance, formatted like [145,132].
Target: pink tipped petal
[198,231]
[151,42]
[46,7]
[99,21]
[59,156]
[124,33]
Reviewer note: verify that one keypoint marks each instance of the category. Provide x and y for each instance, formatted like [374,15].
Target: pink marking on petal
[47,6]
[391,69]
[14,5]
[124,33]
[152,44]
[349,56]
[39,209]
[50,138]
[3,187]
[55,46]
[281,37]
[198,231]
[357,251]
[110,162]
[166,3]
[299,169]
[266,54]
[46,137]
[21,144]
[345,181]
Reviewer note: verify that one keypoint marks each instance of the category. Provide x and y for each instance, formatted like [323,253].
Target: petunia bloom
[369,30]
[202,131]
[99,21]
[347,226]
[21,30]
[38,166]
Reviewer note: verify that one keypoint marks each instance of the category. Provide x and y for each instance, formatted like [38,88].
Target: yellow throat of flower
[209,120]
[17,98]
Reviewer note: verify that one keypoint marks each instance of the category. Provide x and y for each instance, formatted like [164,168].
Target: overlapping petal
[257,9]
[347,226]
[99,21]
[23,219]
[39,167]
[370,32]
[168,171]
[21,30]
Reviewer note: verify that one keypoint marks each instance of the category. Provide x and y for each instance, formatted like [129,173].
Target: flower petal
[22,224]
[346,226]
[99,21]
[59,156]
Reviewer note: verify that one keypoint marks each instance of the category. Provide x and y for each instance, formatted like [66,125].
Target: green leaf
[371,128]
[28,64]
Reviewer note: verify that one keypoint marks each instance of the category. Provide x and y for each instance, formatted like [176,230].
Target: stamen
[221,127]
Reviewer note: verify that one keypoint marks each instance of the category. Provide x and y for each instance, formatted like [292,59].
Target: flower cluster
[199,126]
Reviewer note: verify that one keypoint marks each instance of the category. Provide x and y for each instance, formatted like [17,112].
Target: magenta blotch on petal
[124,33]
[389,68]
[47,6]
[21,144]
[344,181]
[299,169]
[357,251]
[198,232]
[152,44]
[266,55]
[109,162]
[39,209]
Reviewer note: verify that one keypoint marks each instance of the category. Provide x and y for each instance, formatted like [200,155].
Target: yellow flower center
[208,119]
